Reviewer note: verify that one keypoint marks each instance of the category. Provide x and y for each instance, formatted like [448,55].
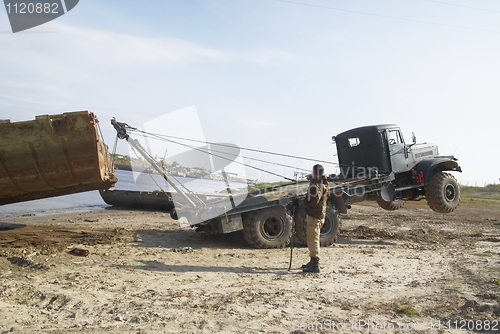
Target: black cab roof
[370,128]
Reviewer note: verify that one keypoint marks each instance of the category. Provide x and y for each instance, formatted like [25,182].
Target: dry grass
[406,310]
[496,281]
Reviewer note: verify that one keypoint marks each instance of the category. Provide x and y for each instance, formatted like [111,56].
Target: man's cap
[318,170]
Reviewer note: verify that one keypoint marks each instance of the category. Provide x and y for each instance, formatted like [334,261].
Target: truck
[375,164]
[420,172]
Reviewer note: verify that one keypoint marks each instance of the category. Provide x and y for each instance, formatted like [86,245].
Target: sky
[280,76]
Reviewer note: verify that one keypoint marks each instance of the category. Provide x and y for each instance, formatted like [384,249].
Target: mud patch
[370,233]
[58,239]
[25,261]
[10,226]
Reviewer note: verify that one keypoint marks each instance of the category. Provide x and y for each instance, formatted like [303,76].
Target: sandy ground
[407,271]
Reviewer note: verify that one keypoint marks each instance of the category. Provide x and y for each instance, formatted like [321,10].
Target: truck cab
[420,172]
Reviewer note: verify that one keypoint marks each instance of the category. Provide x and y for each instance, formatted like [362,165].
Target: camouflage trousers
[314,226]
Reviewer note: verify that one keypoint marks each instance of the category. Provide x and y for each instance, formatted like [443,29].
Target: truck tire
[392,205]
[443,193]
[329,232]
[268,228]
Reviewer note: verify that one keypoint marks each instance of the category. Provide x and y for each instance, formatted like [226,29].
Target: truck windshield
[394,137]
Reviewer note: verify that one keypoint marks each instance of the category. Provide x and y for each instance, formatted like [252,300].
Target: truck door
[397,150]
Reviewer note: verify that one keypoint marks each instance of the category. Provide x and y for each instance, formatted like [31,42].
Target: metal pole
[228,188]
[291,240]
[122,133]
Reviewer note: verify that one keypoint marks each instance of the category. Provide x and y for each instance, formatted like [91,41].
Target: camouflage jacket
[316,198]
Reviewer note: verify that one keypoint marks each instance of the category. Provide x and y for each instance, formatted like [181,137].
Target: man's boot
[308,264]
[314,267]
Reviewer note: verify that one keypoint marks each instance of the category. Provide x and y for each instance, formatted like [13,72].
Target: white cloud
[58,63]
[70,49]
[267,56]
[106,47]
[70,46]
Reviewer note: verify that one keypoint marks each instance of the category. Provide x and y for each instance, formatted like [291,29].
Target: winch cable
[133,150]
[108,157]
[178,183]
[219,156]
[231,160]
[241,148]
[151,176]
[208,151]
[260,160]
[236,155]
[177,180]
[114,153]
[193,194]
[166,138]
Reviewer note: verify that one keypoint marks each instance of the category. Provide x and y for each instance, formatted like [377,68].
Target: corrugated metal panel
[52,155]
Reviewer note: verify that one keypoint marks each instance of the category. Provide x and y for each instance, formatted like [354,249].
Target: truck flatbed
[369,170]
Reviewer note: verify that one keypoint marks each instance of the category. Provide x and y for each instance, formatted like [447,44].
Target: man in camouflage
[315,205]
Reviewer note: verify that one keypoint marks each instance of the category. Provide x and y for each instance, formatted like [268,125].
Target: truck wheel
[443,193]
[267,228]
[392,205]
[329,232]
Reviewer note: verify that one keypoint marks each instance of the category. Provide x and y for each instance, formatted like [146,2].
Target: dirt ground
[406,271]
